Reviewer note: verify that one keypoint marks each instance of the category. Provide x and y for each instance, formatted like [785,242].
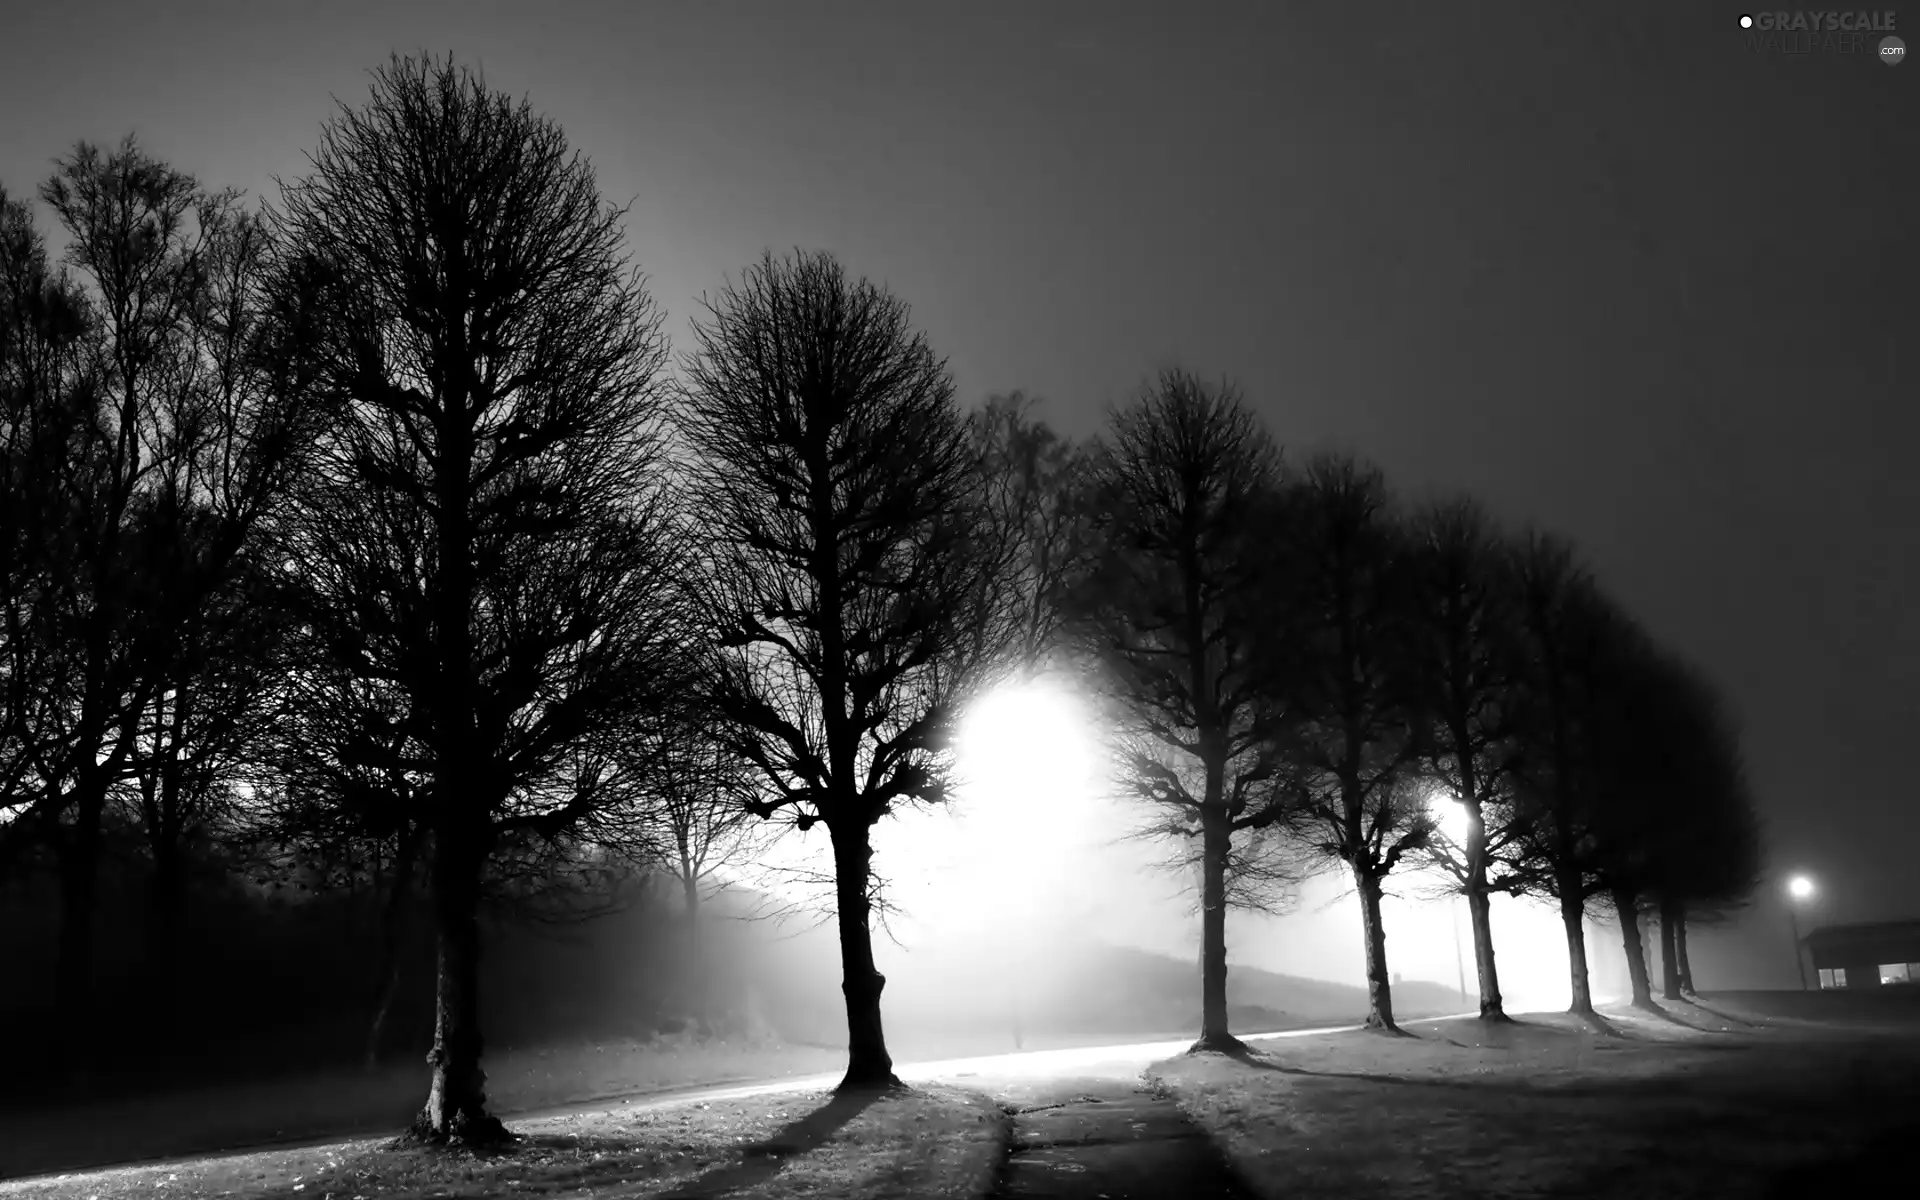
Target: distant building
[1866,956]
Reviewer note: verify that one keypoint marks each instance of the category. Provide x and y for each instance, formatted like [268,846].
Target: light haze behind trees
[850,578]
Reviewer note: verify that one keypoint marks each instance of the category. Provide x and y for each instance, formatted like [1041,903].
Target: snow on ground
[1691,1103]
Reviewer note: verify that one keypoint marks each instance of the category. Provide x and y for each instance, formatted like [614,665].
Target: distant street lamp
[1799,889]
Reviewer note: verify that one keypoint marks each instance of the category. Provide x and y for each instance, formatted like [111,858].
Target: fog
[1020,916]
[1016,907]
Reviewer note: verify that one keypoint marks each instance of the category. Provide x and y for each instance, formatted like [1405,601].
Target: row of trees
[1301,668]
[378,527]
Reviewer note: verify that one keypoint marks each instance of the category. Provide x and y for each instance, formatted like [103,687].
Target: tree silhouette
[484,567]
[159,457]
[1034,491]
[1461,619]
[1577,650]
[1351,747]
[46,393]
[847,577]
[1708,850]
[1182,496]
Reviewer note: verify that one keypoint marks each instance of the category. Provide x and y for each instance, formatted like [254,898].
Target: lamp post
[1459,956]
[1799,888]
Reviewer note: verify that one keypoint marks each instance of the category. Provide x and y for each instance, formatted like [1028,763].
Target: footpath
[1108,1139]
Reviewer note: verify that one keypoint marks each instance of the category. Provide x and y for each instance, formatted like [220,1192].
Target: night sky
[1601,265]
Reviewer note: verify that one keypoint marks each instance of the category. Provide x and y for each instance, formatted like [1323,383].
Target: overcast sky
[1601,265]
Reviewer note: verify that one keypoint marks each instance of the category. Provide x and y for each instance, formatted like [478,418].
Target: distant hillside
[1120,984]
[959,999]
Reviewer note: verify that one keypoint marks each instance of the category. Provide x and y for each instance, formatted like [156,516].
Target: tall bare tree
[1034,488]
[1170,609]
[174,454]
[484,567]
[846,578]
[1706,841]
[46,392]
[1458,655]
[1576,646]
[1353,744]
[698,830]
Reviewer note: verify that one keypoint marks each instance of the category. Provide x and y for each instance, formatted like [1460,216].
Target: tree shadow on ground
[765,1158]
[1480,1086]
[1728,1017]
[1679,1017]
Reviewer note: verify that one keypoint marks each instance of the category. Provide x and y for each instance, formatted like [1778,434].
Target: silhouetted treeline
[372,548]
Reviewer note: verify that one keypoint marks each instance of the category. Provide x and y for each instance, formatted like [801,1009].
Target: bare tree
[46,392]
[846,577]
[1639,728]
[1458,654]
[1352,745]
[1576,645]
[1034,491]
[484,564]
[700,832]
[1170,610]
[175,453]
[1707,841]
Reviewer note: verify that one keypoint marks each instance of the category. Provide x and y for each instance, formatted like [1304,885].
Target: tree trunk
[456,1108]
[1680,950]
[1214,835]
[164,801]
[165,899]
[1572,916]
[1627,905]
[1669,959]
[392,930]
[79,903]
[869,1066]
[1480,912]
[1379,985]
[699,995]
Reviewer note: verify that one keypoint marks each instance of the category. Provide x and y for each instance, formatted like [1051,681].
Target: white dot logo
[1893,51]
[1746,22]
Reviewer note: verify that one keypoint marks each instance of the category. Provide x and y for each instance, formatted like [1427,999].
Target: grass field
[1722,1102]
[62,1135]
[937,1143]
[348,1104]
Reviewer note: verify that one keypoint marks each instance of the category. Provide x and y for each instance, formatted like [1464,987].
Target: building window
[1896,973]
[1833,977]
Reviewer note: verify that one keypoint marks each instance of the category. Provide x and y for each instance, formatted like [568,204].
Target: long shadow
[1476,1086]
[765,1158]
[1457,1085]
[1680,1019]
[1724,1016]
[1654,1011]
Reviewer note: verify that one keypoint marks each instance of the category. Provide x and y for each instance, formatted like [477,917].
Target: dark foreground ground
[1750,1095]
[1757,1095]
[62,1133]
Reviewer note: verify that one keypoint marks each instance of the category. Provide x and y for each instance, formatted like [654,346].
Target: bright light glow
[1800,887]
[1014,846]
[1022,745]
[1450,815]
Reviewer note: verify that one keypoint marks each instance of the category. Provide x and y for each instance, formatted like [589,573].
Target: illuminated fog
[1006,900]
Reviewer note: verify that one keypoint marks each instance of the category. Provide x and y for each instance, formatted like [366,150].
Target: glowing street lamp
[1800,889]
